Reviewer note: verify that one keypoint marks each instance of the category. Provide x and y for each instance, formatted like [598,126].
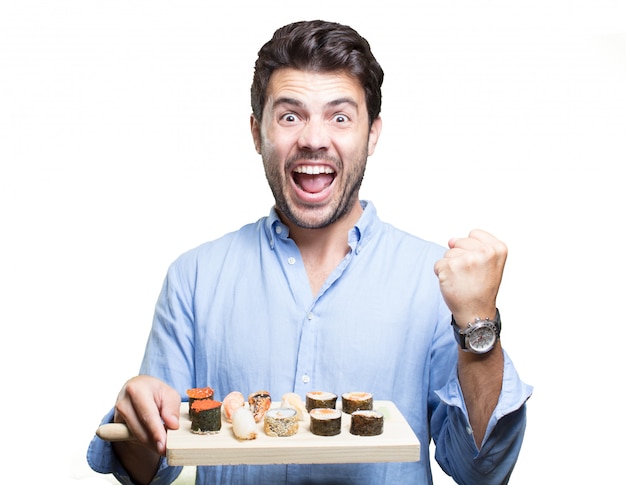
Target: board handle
[114,432]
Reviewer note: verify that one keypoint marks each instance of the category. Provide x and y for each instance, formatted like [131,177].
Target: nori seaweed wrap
[366,423]
[325,421]
[320,399]
[206,416]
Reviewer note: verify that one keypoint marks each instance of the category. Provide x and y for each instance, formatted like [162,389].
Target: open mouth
[313,178]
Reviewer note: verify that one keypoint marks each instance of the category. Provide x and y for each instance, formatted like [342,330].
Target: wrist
[464,317]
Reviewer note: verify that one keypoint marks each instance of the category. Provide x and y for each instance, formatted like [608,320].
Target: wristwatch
[480,336]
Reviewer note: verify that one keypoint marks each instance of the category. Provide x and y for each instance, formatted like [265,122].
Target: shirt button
[306,378]
[309,316]
[291,260]
[279,229]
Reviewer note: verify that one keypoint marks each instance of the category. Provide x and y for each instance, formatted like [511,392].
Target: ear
[375,130]
[255,128]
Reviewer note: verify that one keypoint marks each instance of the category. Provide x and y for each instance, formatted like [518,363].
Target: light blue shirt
[238,314]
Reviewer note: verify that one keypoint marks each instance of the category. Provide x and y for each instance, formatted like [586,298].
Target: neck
[322,249]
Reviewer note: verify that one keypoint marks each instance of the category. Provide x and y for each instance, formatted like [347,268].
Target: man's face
[314,140]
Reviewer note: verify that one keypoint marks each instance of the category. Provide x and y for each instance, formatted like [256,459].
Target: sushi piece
[355,401]
[325,421]
[281,422]
[294,401]
[198,394]
[260,402]
[244,426]
[206,416]
[320,399]
[366,423]
[233,401]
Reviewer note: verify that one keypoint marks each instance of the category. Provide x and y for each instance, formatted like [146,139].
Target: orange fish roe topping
[361,395]
[200,393]
[325,411]
[205,404]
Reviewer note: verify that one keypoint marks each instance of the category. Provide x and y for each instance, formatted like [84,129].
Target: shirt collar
[358,237]
[365,228]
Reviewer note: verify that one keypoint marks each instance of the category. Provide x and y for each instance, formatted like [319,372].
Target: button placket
[306,356]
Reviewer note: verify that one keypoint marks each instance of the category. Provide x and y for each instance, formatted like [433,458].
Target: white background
[124,141]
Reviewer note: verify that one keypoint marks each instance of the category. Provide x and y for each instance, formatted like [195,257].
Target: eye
[340,118]
[289,118]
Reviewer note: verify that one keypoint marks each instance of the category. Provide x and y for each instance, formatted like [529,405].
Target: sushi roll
[281,422]
[366,423]
[206,416]
[355,401]
[325,421]
[260,402]
[320,399]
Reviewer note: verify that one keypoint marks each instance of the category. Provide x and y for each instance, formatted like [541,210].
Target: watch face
[482,338]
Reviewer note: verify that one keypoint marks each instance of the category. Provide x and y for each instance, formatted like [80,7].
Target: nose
[314,136]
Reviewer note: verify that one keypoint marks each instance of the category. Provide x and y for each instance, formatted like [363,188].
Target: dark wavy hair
[318,46]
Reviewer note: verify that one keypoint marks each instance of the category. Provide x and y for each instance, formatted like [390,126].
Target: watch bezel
[463,336]
[478,327]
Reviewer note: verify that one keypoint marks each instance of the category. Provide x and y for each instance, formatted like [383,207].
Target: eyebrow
[295,102]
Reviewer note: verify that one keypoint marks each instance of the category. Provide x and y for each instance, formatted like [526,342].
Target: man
[322,295]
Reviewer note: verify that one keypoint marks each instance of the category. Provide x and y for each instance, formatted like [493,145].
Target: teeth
[313,169]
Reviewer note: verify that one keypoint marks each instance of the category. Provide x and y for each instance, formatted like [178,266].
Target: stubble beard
[313,217]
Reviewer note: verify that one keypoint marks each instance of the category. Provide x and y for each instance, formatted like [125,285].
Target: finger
[439,267]
[138,407]
[479,241]
[170,408]
[458,251]
[487,238]
[145,424]
[469,243]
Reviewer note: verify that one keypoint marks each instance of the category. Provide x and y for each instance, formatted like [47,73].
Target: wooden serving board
[396,443]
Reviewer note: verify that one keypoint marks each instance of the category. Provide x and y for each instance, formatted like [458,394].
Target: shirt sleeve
[170,336]
[456,451]
[101,458]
